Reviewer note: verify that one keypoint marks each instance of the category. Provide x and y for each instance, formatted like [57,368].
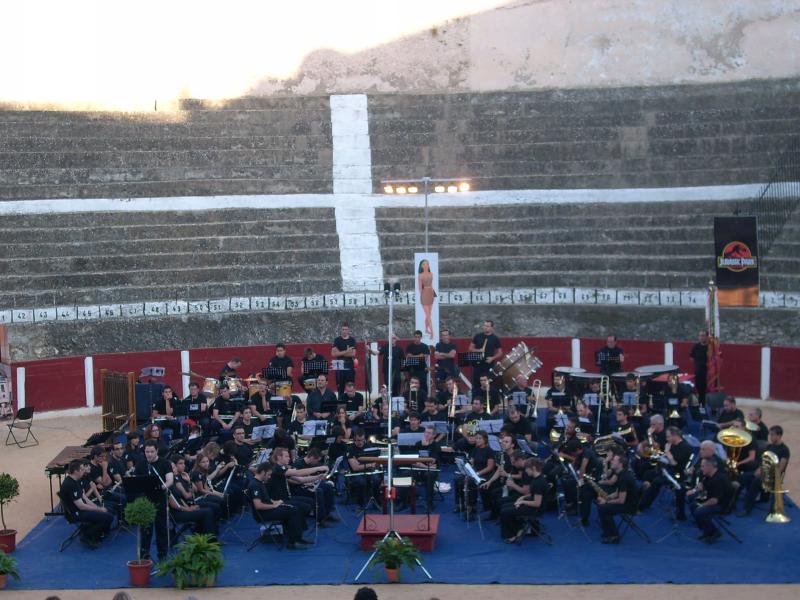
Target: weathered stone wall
[386,47]
[747,326]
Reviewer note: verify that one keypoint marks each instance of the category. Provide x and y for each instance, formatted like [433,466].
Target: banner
[714,353]
[426,288]
[736,260]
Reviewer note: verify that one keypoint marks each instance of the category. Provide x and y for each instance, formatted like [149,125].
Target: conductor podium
[420,529]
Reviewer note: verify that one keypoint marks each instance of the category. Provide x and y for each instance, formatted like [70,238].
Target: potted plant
[196,563]
[140,513]
[9,489]
[8,566]
[394,552]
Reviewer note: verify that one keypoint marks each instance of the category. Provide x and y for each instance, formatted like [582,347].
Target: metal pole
[425,182]
[389,421]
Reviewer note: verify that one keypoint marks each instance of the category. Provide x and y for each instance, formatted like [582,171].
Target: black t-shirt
[718,486]
[446,364]
[480,458]
[71,491]
[476,416]
[342,344]
[243,454]
[416,349]
[199,477]
[95,473]
[444,397]
[227,407]
[277,362]
[594,465]
[311,367]
[493,344]
[132,456]
[116,467]
[415,400]
[286,441]
[781,450]
[352,403]
[160,405]
[259,490]
[762,434]
[557,398]
[316,399]
[521,427]
[227,373]
[432,450]
[192,406]
[727,416]
[752,465]
[495,397]
[699,355]
[668,400]
[295,427]
[608,359]
[278,486]
[681,452]
[538,486]
[439,415]
[626,482]
[161,466]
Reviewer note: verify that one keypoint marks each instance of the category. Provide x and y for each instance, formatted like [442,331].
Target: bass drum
[520,361]
[210,387]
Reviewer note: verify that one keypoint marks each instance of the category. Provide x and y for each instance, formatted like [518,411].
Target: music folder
[263,432]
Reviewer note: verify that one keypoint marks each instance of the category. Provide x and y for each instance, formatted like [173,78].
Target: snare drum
[283,388]
[310,384]
[211,387]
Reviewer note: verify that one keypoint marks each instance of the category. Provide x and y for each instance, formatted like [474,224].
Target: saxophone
[601,493]
[452,414]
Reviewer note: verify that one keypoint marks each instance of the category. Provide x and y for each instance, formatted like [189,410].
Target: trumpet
[537,389]
[452,413]
[488,408]
[605,390]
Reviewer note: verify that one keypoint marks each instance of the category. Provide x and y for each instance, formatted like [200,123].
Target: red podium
[414,527]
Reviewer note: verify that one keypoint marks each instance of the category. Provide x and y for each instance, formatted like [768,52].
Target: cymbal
[193,374]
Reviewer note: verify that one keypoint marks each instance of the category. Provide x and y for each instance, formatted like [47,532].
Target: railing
[779,198]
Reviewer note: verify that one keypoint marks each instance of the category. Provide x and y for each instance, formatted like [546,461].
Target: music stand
[491,425]
[523,445]
[274,373]
[470,359]
[397,404]
[392,292]
[409,440]
[471,474]
[519,398]
[439,427]
[315,428]
[315,367]
[263,432]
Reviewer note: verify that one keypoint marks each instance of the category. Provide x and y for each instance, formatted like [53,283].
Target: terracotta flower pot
[393,575]
[8,540]
[3,580]
[139,571]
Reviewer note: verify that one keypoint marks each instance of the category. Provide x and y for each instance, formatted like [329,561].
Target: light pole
[402,187]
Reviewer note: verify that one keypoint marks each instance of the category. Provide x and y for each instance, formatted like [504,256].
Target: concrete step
[159,231]
[168,277]
[490,264]
[141,159]
[91,295]
[562,249]
[283,216]
[278,243]
[283,143]
[165,259]
[586,234]
[161,189]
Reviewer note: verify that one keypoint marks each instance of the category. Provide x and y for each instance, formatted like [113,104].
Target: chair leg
[724,524]
[67,542]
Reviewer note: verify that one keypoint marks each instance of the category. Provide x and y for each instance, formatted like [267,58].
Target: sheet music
[591,399]
[263,432]
[409,439]
[491,425]
[630,398]
[314,428]
[398,404]
[438,426]
[519,398]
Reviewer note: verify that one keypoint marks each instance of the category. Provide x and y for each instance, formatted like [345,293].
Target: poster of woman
[426,286]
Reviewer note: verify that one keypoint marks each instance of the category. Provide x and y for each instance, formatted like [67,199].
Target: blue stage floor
[461,556]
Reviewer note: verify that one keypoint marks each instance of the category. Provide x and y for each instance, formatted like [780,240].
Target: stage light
[388,189]
[412,189]
[463,186]
[439,189]
[451,189]
[401,189]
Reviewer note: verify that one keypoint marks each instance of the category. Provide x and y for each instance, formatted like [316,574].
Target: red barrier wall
[785,373]
[59,383]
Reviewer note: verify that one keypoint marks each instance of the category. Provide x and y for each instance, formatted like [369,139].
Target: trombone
[603,399]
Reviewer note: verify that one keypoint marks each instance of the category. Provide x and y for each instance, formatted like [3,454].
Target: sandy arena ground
[27,465]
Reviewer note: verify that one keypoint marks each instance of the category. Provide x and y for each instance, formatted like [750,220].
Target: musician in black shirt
[678,454]
[353,400]
[718,491]
[475,412]
[230,407]
[279,483]
[445,397]
[432,411]
[277,510]
[488,395]
[243,452]
[362,487]
[182,504]
[729,413]
[415,396]
[529,504]
[309,479]
[445,355]
[312,367]
[490,346]
[163,411]
[517,424]
[194,407]
[624,501]
[780,450]
[320,397]
[699,356]
[482,460]
[397,364]
[761,432]
[420,351]
[161,468]
[610,357]
[557,396]
[344,349]
[281,362]
[229,371]
[75,502]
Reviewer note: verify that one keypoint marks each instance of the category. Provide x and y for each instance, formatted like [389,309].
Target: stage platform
[418,528]
[460,555]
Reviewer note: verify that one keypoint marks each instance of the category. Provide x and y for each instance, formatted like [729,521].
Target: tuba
[772,482]
[734,440]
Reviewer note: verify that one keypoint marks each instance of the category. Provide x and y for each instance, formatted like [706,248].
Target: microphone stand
[167,494]
[392,292]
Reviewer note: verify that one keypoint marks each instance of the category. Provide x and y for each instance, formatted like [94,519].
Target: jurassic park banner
[736,260]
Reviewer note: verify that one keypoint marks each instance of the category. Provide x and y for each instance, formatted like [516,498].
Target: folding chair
[72,520]
[273,530]
[627,519]
[724,524]
[22,420]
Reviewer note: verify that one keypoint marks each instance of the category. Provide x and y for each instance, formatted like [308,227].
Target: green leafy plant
[140,513]
[393,552]
[196,563]
[8,565]
[9,489]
